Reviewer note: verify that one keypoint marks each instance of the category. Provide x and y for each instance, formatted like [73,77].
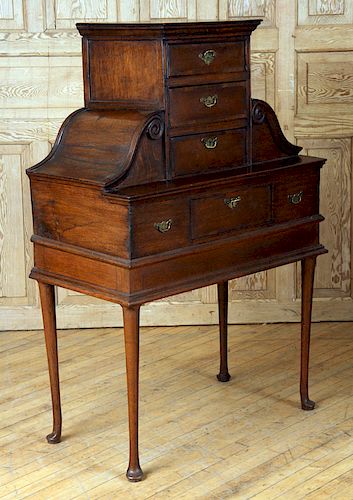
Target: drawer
[207,103]
[296,197]
[193,154]
[231,211]
[206,58]
[159,227]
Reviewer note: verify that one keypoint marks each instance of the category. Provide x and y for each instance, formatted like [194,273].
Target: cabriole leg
[47,298]
[131,334]
[223,375]
[308,269]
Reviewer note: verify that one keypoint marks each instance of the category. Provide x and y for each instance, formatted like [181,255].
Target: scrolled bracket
[269,142]
[155,128]
[258,112]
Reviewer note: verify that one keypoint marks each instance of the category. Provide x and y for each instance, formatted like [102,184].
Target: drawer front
[206,58]
[206,152]
[207,103]
[159,227]
[231,211]
[296,197]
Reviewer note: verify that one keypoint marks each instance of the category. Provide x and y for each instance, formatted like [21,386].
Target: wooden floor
[199,438]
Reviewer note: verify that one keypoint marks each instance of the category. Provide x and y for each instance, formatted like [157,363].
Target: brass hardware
[209,101]
[207,56]
[210,142]
[232,202]
[163,226]
[295,198]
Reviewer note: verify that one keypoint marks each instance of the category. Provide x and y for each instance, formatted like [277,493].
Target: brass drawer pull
[207,56]
[232,202]
[209,101]
[210,142]
[163,226]
[295,198]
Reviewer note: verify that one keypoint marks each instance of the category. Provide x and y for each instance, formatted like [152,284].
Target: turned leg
[308,269]
[131,334]
[47,298]
[223,375]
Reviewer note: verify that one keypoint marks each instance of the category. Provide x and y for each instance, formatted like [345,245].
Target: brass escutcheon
[207,56]
[210,142]
[232,202]
[295,198]
[209,101]
[163,226]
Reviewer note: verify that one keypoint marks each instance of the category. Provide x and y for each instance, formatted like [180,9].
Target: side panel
[141,64]
[79,216]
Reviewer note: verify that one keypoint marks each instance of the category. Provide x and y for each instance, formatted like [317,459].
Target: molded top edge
[165,29]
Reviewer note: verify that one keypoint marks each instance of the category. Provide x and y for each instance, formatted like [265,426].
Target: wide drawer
[197,153]
[231,211]
[206,58]
[207,103]
[296,196]
[159,227]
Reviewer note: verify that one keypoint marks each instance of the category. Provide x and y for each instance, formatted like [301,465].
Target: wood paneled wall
[301,64]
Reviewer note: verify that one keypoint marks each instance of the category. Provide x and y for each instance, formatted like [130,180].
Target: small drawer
[206,58]
[207,103]
[159,227]
[193,154]
[231,211]
[296,197]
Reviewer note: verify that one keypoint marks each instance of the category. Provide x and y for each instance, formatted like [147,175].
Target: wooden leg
[131,334]
[223,375]
[308,269]
[47,298]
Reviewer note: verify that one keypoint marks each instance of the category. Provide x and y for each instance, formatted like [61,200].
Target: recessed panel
[129,72]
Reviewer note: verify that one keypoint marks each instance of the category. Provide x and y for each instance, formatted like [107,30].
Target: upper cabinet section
[164,102]
[127,66]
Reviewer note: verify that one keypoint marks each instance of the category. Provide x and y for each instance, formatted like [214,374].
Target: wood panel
[233,9]
[63,14]
[160,9]
[36,86]
[178,10]
[12,258]
[324,12]
[263,76]
[324,127]
[11,15]
[16,228]
[333,275]
[301,65]
[325,83]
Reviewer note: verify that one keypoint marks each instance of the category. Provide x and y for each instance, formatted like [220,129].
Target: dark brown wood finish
[199,59]
[207,103]
[169,179]
[132,341]
[211,151]
[308,269]
[222,288]
[47,298]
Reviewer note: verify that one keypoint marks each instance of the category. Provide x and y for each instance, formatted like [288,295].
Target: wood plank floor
[199,438]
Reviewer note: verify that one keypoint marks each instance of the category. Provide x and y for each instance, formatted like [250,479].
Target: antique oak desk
[169,179]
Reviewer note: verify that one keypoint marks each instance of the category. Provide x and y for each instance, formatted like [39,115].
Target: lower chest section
[218,212]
